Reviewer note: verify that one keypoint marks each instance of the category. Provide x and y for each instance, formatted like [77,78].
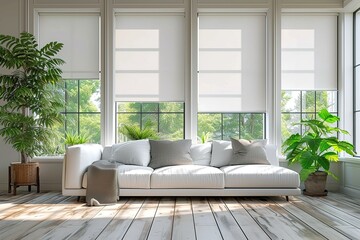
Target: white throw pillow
[201,154]
[221,153]
[132,152]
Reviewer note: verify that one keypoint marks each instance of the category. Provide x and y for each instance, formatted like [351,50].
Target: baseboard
[350,191]
[43,187]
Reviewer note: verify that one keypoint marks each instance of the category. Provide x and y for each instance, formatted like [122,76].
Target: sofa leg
[78,198]
[287,198]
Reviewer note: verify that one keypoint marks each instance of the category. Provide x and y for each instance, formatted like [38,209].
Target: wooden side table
[20,175]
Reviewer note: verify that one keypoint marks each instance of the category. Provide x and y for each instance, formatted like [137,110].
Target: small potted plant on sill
[315,149]
[32,97]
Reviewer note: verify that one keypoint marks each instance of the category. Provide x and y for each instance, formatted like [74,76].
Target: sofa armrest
[77,159]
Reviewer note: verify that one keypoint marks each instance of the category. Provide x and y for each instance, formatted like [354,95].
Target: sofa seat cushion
[260,176]
[130,176]
[187,176]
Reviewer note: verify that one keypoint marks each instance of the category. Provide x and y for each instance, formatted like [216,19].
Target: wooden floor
[53,216]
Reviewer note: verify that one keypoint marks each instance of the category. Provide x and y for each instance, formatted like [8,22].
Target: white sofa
[197,179]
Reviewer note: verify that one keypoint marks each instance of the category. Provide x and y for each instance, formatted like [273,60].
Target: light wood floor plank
[328,218]
[161,228]
[228,226]
[118,226]
[140,227]
[183,227]
[277,223]
[94,227]
[204,221]
[53,216]
[351,209]
[333,210]
[17,225]
[76,219]
[251,229]
[311,221]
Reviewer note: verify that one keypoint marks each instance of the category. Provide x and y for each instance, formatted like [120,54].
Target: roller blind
[232,63]
[149,57]
[309,52]
[79,32]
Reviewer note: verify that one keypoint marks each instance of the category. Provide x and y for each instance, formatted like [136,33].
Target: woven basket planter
[23,174]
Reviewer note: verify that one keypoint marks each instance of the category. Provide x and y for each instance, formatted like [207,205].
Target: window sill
[49,159]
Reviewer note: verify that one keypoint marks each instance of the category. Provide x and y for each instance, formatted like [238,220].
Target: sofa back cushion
[248,152]
[201,153]
[132,152]
[168,153]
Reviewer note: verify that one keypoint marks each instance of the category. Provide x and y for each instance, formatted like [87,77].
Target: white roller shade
[149,57]
[232,63]
[309,52]
[79,32]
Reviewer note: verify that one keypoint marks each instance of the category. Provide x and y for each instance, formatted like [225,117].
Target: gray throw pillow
[248,152]
[168,153]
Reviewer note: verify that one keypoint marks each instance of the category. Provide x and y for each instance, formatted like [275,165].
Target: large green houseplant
[30,95]
[315,149]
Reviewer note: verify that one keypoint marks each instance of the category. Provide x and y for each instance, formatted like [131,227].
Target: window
[308,68]
[150,71]
[357,81]
[79,32]
[166,118]
[232,75]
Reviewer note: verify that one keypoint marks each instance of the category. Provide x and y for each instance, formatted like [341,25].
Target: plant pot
[24,174]
[315,184]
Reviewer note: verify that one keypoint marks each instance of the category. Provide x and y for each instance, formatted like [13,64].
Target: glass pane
[171,107]
[209,124]
[128,107]
[357,133]
[171,126]
[57,145]
[308,101]
[290,101]
[90,127]
[71,100]
[231,126]
[150,120]
[150,107]
[252,126]
[357,38]
[126,119]
[326,100]
[89,96]
[357,83]
[287,125]
[71,123]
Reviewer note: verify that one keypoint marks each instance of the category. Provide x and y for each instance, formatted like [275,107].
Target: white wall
[12,23]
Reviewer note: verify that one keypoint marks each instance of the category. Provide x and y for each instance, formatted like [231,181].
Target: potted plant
[314,149]
[134,132]
[31,95]
[72,139]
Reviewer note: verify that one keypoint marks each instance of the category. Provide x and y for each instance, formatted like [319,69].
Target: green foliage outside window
[81,114]
[299,105]
[166,118]
[226,125]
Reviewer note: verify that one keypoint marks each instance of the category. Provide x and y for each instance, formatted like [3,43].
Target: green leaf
[328,117]
[306,159]
[304,173]
[324,163]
